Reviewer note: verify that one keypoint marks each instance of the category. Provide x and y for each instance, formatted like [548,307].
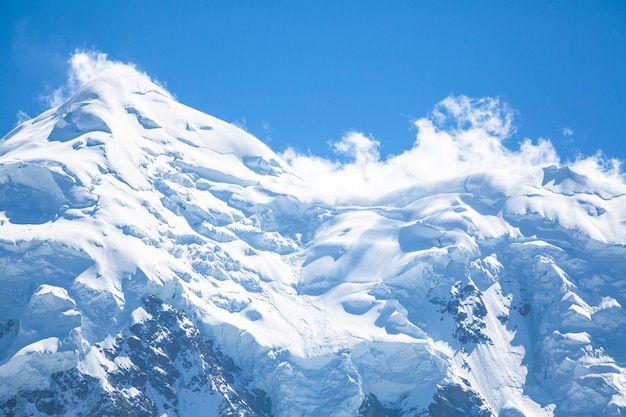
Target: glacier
[158,261]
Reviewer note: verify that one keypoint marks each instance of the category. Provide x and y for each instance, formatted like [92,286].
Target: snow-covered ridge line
[168,262]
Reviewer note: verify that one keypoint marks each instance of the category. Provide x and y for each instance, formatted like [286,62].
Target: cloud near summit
[461,135]
[86,66]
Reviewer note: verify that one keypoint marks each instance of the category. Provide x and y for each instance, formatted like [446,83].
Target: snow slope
[158,261]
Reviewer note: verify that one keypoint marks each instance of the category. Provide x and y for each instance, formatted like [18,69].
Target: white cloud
[241,123]
[567,131]
[266,130]
[461,135]
[56,97]
[464,113]
[22,116]
[361,149]
[599,168]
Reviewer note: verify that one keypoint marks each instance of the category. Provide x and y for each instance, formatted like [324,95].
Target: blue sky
[302,74]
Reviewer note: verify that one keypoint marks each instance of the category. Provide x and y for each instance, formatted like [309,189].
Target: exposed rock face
[153,367]
[457,401]
[371,407]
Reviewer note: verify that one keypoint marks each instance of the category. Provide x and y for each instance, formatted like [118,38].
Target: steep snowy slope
[158,261]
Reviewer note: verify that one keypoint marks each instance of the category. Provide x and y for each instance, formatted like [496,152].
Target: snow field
[505,280]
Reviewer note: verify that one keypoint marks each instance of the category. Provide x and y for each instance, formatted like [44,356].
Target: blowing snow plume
[158,261]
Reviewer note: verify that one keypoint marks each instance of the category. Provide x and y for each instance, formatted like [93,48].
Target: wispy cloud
[22,116]
[87,65]
[360,149]
[566,131]
[460,136]
[241,123]
[266,131]
[33,54]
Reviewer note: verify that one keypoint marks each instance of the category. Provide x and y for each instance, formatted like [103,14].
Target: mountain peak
[120,120]
[159,261]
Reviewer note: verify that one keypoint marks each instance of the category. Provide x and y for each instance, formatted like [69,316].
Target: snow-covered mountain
[157,261]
